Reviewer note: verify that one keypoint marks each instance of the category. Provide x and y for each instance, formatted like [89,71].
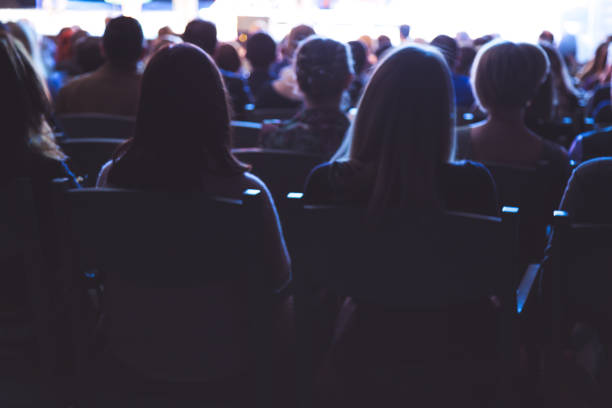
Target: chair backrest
[92,125]
[88,155]
[245,134]
[259,115]
[21,253]
[181,275]
[408,261]
[283,171]
[583,262]
[537,191]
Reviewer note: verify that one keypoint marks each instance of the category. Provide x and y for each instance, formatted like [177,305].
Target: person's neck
[329,104]
[501,122]
[125,68]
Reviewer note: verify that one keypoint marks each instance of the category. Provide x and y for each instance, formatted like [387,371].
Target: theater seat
[184,298]
[96,125]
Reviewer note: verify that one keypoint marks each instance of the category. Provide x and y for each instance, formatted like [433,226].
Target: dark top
[589,145]
[13,285]
[463,91]
[268,98]
[258,79]
[238,90]
[464,187]
[318,131]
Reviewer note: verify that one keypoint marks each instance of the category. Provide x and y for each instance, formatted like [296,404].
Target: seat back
[96,125]
[88,155]
[181,278]
[21,253]
[283,171]
[409,262]
[260,115]
[245,134]
[537,191]
[582,265]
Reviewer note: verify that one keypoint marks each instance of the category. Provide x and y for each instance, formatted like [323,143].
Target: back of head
[203,34]
[404,127]
[88,54]
[505,75]
[261,50]
[323,69]
[24,106]
[123,41]
[296,36]
[448,47]
[359,52]
[465,59]
[404,31]
[227,58]
[182,125]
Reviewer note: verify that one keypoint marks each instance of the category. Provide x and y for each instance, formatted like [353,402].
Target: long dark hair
[24,107]
[404,129]
[182,125]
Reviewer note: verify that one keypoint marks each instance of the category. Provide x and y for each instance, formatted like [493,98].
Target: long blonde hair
[404,129]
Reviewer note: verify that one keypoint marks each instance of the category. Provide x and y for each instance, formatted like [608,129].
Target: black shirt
[464,187]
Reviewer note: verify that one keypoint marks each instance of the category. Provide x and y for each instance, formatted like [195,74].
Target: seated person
[229,64]
[449,48]
[203,34]
[399,150]
[323,74]
[261,53]
[506,78]
[113,88]
[359,52]
[588,197]
[31,152]
[283,92]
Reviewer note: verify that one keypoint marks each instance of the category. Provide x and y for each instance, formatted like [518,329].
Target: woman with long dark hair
[182,140]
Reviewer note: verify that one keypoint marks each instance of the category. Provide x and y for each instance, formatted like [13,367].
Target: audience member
[182,140]
[568,49]
[461,83]
[283,93]
[229,64]
[547,37]
[566,99]
[203,34]
[25,33]
[89,54]
[595,143]
[114,87]
[506,77]
[398,152]
[404,30]
[323,73]
[592,72]
[160,42]
[296,35]
[465,59]
[30,151]
[384,45]
[359,52]
[261,53]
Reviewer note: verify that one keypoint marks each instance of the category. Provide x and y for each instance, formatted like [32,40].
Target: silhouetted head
[24,106]
[182,125]
[296,36]
[505,76]
[88,54]
[359,52]
[465,59]
[404,31]
[227,58]
[448,47]
[203,34]
[323,69]
[123,42]
[404,128]
[547,36]
[261,50]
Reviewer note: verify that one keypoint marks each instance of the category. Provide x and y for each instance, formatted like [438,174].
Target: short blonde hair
[506,75]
